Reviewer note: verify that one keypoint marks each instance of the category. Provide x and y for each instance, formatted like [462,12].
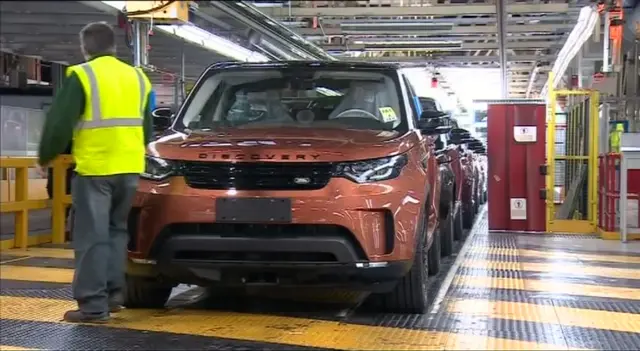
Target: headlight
[157,168]
[372,170]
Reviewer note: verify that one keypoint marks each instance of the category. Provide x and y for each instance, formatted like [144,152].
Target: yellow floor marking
[576,317]
[13,348]
[550,286]
[271,329]
[570,269]
[36,274]
[42,252]
[555,255]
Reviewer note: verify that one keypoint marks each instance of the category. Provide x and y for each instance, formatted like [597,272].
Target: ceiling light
[212,42]
[201,37]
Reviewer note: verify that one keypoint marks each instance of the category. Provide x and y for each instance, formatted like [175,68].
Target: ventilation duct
[583,30]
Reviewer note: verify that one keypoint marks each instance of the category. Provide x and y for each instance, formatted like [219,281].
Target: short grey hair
[98,38]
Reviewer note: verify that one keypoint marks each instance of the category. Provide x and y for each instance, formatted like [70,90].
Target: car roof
[306,64]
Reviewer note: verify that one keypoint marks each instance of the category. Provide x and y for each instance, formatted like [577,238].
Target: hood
[282,145]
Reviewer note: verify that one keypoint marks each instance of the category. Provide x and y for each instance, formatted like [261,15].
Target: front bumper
[327,262]
[378,220]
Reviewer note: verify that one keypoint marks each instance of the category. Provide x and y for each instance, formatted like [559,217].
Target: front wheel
[448,231]
[410,294]
[434,253]
[467,215]
[458,226]
[143,292]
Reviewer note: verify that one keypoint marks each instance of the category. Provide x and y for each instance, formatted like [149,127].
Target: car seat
[276,109]
[362,96]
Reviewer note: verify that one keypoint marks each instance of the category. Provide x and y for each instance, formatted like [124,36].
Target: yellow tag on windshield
[388,114]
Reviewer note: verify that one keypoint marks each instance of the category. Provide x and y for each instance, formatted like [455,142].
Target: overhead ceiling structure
[49,29]
[438,33]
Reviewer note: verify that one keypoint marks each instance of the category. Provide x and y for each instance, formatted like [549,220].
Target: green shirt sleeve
[63,116]
[148,122]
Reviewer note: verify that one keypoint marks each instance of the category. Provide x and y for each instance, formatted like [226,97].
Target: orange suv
[290,174]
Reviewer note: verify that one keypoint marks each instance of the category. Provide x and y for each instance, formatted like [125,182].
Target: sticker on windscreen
[388,114]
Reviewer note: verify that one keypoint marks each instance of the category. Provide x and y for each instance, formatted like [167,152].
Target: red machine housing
[516,172]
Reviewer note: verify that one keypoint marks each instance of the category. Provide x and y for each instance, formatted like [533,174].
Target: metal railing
[21,205]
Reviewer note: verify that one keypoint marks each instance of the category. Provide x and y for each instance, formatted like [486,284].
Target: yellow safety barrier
[578,212]
[21,204]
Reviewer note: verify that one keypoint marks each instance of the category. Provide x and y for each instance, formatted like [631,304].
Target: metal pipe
[501,14]
[532,79]
[140,43]
[623,202]
[183,74]
[579,64]
[606,41]
[635,117]
[137,53]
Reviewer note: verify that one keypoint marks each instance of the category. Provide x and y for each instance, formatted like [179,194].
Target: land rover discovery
[290,174]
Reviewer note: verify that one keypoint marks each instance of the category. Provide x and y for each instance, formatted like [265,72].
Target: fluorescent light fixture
[394,24]
[116,4]
[375,41]
[201,37]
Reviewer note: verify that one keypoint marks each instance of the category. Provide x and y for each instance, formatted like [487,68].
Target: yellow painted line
[13,348]
[36,274]
[569,269]
[575,317]
[550,286]
[269,329]
[42,252]
[555,255]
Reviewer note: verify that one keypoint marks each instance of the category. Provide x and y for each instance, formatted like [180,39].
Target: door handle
[544,170]
[543,194]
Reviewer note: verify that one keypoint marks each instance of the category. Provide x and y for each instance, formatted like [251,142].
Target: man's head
[97,39]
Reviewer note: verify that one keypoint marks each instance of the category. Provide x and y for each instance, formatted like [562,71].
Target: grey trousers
[100,237]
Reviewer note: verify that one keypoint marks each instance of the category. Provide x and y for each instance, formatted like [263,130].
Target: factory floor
[502,291]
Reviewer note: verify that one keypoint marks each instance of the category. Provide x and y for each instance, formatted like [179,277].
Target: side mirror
[461,140]
[443,158]
[434,123]
[162,118]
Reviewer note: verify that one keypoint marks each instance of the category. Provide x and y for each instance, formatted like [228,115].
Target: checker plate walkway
[505,291]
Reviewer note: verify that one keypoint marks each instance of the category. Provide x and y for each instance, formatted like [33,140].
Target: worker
[102,106]
[615,136]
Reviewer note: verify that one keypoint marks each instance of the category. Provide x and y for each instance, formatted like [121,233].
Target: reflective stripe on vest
[97,120]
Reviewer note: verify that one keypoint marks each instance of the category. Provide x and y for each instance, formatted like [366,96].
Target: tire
[447,231]
[143,292]
[467,216]
[410,294]
[476,204]
[434,253]
[458,225]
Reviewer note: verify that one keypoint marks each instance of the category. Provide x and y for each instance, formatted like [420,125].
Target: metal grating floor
[504,291]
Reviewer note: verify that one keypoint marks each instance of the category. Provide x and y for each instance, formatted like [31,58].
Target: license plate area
[248,210]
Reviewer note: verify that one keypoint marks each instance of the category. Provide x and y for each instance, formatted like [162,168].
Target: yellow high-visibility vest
[109,139]
[616,136]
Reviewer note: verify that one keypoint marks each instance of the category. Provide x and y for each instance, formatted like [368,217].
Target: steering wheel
[369,114]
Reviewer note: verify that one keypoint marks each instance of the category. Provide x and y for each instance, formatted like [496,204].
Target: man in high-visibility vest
[615,136]
[102,107]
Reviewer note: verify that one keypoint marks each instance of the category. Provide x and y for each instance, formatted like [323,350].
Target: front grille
[256,176]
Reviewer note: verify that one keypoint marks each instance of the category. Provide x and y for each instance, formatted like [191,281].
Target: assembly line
[350,175]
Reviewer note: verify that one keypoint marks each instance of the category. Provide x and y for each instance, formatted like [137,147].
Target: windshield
[320,98]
